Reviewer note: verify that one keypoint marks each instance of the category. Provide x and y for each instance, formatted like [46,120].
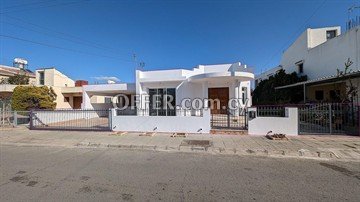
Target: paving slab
[305,146]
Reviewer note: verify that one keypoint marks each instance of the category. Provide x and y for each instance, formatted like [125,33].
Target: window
[319,95]
[330,34]
[108,100]
[244,94]
[41,78]
[162,102]
[301,68]
[66,99]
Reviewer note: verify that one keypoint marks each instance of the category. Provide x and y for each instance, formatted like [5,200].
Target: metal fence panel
[14,118]
[334,118]
[230,119]
[93,120]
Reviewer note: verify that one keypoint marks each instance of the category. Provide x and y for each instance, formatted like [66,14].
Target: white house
[318,53]
[224,82]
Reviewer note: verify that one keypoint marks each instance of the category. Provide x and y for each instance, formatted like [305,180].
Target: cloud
[106,78]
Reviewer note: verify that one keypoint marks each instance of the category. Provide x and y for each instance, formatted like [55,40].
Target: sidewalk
[315,147]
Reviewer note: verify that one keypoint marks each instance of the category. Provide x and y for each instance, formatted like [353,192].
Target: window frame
[161,107]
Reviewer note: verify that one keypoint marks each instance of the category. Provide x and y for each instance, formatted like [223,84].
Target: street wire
[62,48]
[294,35]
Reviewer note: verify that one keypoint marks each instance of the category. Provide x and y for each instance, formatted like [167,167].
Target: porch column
[205,87]
[237,95]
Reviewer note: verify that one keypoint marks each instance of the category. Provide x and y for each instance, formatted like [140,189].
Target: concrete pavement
[108,174]
[316,147]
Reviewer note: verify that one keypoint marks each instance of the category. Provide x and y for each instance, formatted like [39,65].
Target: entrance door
[222,94]
[77,102]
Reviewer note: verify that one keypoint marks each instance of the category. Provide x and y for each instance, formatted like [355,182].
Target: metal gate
[230,119]
[329,119]
[69,119]
[14,118]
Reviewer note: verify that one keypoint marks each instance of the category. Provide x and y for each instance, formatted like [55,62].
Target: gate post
[110,115]
[330,118]
[246,118]
[228,118]
[31,120]
[15,119]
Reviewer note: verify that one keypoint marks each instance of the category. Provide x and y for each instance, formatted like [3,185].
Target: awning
[327,79]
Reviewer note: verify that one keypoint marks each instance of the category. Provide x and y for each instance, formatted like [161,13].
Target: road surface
[64,174]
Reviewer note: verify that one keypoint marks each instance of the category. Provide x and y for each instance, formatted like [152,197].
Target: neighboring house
[19,67]
[318,53]
[69,92]
[69,96]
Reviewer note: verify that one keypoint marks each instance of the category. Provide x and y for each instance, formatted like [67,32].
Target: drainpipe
[304,89]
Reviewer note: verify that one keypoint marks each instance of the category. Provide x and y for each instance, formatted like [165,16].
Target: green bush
[25,98]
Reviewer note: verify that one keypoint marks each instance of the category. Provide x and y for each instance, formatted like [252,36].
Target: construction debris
[178,135]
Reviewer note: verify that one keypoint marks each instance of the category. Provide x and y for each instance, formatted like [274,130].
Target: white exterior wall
[93,94]
[178,79]
[186,124]
[320,57]
[287,125]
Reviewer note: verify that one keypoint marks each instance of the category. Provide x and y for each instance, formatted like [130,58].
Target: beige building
[69,96]
[6,89]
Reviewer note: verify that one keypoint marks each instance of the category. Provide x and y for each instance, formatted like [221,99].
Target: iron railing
[158,112]
[270,111]
[329,118]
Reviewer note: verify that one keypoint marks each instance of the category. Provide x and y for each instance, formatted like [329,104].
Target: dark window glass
[171,102]
[159,99]
[41,78]
[330,34]
[66,99]
[152,110]
[319,95]
[301,68]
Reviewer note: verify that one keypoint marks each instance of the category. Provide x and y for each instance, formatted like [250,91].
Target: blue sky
[87,39]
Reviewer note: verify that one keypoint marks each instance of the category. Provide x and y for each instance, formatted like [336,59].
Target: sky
[96,39]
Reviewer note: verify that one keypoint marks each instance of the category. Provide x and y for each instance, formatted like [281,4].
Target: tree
[265,92]
[351,90]
[25,98]
[18,79]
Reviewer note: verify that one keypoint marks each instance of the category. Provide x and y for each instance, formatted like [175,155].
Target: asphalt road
[63,174]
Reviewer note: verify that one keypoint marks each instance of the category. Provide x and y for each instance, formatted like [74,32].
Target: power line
[295,33]
[26,4]
[47,34]
[92,43]
[36,8]
[62,48]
